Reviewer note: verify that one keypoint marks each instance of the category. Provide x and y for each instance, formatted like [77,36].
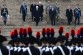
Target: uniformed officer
[77,14]
[23,10]
[4,14]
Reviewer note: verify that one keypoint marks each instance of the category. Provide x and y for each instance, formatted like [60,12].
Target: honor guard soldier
[61,49]
[3,49]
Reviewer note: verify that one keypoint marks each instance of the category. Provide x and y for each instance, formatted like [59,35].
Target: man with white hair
[37,15]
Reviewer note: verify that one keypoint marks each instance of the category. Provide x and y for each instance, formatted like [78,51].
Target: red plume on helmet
[48,30]
[24,31]
[61,29]
[44,30]
[78,32]
[12,33]
[16,31]
[67,35]
[81,31]
[72,32]
[29,30]
[21,31]
[52,30]
[38,34]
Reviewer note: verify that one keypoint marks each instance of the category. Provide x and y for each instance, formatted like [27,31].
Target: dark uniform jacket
[23,9]
[34,50]
[4,13]
[77,12]
[32,9]
[4,50]
[52,13]
[69,13]
[58,51]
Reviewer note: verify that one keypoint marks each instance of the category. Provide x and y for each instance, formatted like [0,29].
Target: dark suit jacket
[41,10]
[69,13]
[37,15]
[32,8]
[52,13]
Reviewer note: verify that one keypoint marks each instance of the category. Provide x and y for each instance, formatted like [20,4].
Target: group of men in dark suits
[47,44]
[37,12]
[76,14]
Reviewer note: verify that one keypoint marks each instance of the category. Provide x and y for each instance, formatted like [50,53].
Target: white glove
[39,17]
[8,16]
[1,16]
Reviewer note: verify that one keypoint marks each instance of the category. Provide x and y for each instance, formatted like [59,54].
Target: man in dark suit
[37,15]
[41,10]
[32,10]
[4,14]
[69,15]
[23,10]
[77,14]
[52,14]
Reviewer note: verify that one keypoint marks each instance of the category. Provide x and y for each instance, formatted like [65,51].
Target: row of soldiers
[48,44]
